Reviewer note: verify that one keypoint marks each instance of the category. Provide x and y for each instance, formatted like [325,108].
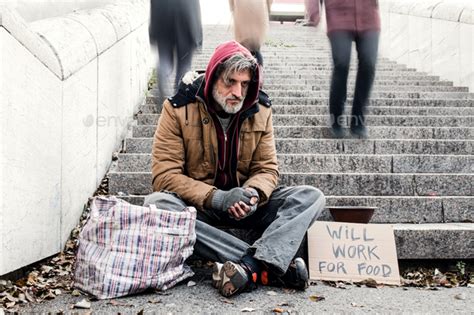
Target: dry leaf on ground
[278,310]
[84,304]
[247,310]
[316,298]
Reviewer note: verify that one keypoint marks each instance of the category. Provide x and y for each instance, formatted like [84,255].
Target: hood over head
[222,53]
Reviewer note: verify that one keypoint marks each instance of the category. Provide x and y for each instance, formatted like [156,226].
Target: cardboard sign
[352,252]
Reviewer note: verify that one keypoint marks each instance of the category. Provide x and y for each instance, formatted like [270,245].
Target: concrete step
[371,120]
[377,88]
[373,110]
[290,67]
[375,132]
[378,83]
[286,100]
[393,209]
[273,77]
[336,163]
[374,102]
[288,72]
[434,241]
[346,146]
[303,58]
[363,184]
[375,94]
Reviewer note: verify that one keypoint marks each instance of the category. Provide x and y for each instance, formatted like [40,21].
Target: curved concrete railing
[434,36]
[69,88]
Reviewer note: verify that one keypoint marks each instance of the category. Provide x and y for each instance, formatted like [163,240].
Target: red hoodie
[229,143]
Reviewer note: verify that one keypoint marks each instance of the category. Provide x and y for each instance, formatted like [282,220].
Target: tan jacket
[250,21]
[184,153]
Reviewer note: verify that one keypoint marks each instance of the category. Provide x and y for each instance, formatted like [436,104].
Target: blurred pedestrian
[251,24]
[311,13]
[175,27]
[351,21]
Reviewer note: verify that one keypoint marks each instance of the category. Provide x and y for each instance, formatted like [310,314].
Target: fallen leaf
[272,293]
[84,303]
[353,304]
[278,310]
[46,269]
[340,285]
[22,298]
[29,297]
[154,301]
[10,304]
[460,296]
[191,283]
[370,283]
[11,298]
[316,298]
[118,303]
[227,301]
[76,293]
[247,309]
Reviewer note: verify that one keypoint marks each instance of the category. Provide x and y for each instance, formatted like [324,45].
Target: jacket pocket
[197,159]
[248,144]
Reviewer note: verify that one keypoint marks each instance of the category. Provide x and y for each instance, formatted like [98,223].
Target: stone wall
[33,10]
[69,88]
[434,36]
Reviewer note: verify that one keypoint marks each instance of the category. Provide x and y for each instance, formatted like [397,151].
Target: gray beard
[221,100]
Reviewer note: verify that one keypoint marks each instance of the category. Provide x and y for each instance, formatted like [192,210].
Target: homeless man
[214,149]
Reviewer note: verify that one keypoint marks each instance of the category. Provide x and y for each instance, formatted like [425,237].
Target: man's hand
[241,209]
[238,202]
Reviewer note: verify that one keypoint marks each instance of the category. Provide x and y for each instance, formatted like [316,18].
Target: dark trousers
[341,44]
[284,219]
[168,54]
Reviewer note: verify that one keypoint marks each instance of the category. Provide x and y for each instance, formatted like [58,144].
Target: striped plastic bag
[126,249]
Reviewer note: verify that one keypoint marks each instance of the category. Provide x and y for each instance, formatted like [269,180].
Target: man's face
[230,93]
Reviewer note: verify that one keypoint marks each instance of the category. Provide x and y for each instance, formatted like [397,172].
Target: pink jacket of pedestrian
[347,15]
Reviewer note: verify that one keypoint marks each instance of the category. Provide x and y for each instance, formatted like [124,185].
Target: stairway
[417,165]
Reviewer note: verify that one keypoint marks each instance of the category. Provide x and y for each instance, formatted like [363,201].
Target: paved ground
[202,298]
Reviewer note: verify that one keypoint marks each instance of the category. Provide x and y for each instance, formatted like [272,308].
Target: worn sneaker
[230,278]
[296,276]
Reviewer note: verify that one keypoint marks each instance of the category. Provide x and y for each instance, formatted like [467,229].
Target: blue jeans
[341,44]
[284,220]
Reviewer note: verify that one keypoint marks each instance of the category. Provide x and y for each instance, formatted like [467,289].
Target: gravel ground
[202,298]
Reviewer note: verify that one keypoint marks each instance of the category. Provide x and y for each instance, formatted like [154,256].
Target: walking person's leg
[367,46]
[341,43]
[164,70]
[184,58]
